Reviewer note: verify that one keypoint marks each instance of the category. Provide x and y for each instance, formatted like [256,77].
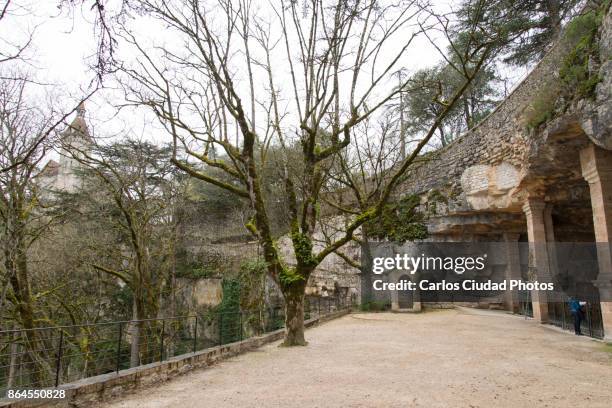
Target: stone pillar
[596,166]
[513,270]
[553,263]
[538,255]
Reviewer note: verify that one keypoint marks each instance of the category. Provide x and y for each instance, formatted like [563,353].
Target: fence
[592,323]
[525,305]
[50,356]
[559,313]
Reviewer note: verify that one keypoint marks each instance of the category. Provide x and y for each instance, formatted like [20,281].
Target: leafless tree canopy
[240,79]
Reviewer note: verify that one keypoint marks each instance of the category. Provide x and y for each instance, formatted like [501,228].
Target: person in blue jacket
[576,310]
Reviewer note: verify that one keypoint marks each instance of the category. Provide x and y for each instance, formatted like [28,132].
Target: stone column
[538,255]
[596,166]
[513,270]
[553,263]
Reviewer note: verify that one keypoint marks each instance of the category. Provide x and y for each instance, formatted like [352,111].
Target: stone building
[64,175]
[505,182]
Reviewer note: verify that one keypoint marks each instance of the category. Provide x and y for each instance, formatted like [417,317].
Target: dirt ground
[452,358]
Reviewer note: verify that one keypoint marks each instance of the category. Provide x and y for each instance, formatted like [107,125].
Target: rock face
[333,277]
[475,187]
[204,293]
[488,187]
[485,176]
[598,123]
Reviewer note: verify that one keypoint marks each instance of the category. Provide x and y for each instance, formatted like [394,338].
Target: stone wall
[334,276]
[490,169]
[206,292]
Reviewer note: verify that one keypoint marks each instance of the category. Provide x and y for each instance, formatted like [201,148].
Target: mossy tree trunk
[294,315]
[328,115]
[16,264]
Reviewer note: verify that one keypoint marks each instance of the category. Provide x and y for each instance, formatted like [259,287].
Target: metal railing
[525,305]
[559,314]
[51,356]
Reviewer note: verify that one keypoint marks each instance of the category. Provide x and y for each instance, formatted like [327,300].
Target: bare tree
[313,74]
[12,56]
[9,51]
[135,176]
[24,128]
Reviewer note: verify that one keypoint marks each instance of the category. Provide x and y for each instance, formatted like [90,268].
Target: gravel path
[452,358]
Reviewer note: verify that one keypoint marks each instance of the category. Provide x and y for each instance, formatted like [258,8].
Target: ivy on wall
[578,76]
[229,312]
[243,291]
[400,221]
[208,264]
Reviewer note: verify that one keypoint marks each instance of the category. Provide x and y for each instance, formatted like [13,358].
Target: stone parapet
[93,390]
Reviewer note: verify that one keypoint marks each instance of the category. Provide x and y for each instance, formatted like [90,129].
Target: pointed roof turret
[78,127]
[81,109]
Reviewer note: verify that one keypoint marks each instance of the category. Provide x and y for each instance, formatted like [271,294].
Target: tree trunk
[294,316]
[553,9]
[16,265]
[135,336]
[366,268]
[13,361]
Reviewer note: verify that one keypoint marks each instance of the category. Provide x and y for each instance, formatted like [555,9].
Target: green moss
[436,196]
[289,276]
[302,246]
[205,265]
[317,208]
[454,192]
[577,78]
[400,221]
[574,73]
[252,281]
[196,271]
[543,107]
[253,267]
[250,225]
[366,215]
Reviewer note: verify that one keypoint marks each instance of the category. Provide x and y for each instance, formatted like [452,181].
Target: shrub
[577,77]
[375,306]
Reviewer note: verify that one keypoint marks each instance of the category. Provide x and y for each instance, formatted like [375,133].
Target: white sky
[61,55]
[63,50]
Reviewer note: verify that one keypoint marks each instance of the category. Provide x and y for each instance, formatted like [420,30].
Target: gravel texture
[449,358]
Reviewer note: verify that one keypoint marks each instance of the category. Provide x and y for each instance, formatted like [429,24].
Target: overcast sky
[63,51]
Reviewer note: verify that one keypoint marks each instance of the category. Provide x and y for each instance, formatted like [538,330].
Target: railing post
[563,323]
[220,328]
[589,314]
[319,306]
[161,351]
[118,362]
[58,363]
[195,334]
[240,314]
